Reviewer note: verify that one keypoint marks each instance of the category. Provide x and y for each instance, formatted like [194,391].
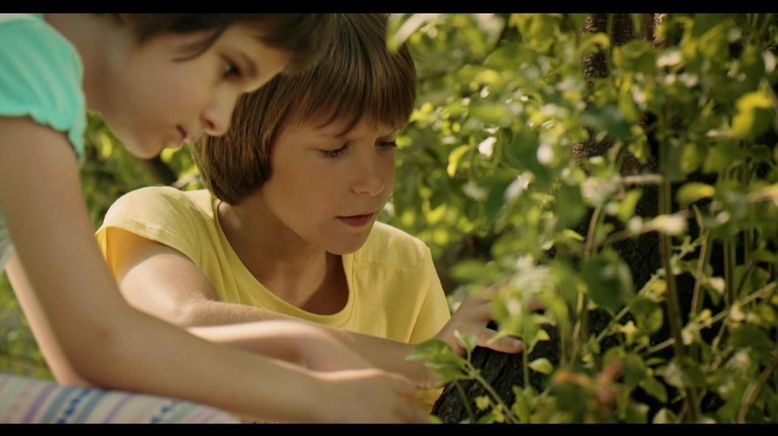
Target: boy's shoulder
[160,202]
[389,245]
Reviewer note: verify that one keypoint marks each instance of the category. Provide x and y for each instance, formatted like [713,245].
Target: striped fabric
[26,400]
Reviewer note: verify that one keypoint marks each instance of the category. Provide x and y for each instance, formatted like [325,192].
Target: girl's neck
[295,270]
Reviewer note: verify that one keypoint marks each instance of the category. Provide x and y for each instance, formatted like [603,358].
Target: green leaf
[634,370]
[607,119]
[636,56]
[628,204]
[654,388]
[569,205]
[520,408]
[476,271]
[637,413]
[749,336]
[664,416]
[692,157]
[441,358]
[754,113]
[542,365]
[489,113]
[467,340]
[721,156]
[482,402]
[672,225]
[539,336]
[694,191]
[455,157]
[399,29]
[648,315]
[609,281]
[571,234]
[522,153]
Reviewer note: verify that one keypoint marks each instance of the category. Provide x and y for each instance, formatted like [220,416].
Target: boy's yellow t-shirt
[394,290]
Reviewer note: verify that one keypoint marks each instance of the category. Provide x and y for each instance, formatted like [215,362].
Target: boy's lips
[357,220]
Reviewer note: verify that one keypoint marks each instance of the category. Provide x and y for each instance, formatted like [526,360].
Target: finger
[505,344]
[487,293]
[477,298]
[412,413]
[482,312]
[419,416]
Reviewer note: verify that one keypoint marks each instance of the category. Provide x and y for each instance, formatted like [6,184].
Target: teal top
[40,77]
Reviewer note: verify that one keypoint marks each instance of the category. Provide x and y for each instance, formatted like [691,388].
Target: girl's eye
[387,145]
[334,153]
[231,69]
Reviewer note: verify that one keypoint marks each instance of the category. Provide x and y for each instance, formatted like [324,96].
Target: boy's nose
[369,182]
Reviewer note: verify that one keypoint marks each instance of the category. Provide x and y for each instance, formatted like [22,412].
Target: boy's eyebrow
[394,132]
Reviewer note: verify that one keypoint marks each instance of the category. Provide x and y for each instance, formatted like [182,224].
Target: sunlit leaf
[541,365]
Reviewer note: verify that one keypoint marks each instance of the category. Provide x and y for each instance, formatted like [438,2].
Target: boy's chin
[343,249]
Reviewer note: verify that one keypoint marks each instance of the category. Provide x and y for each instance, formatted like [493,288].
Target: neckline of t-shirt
[334,319]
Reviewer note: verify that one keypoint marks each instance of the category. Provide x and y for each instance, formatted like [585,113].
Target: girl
[157,81]
[289,222]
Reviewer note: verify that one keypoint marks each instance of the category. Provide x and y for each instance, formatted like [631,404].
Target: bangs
[357,79]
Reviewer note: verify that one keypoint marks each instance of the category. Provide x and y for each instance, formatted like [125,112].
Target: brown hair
[305,36]
[357,77]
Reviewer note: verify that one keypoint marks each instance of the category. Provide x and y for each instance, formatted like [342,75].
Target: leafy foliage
[493,178]
[495,175]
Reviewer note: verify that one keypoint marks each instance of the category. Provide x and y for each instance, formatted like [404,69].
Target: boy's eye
[334,153]
[387,145]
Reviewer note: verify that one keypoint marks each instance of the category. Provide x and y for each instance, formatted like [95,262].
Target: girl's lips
[184,134]
[356,220]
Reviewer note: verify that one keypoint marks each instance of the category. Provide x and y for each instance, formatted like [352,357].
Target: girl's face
[326,189]
[151,99]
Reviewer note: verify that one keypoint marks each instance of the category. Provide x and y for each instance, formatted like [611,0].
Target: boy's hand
[369,395]
[471,318]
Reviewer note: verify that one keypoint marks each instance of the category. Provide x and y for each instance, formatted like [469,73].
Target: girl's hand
[320,351]
[369,395]
[472,318]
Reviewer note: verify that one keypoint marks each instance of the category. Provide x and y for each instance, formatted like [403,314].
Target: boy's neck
[293,269]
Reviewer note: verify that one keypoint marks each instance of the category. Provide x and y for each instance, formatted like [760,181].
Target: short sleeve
[40,77]
[434,312]
[159,214]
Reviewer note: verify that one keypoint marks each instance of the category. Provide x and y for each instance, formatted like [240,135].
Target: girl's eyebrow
[252,70]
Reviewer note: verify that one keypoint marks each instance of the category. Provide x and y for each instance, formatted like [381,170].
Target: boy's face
[151,99]
[327,189]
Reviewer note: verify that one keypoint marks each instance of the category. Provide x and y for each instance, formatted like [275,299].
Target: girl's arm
[112,345]
[164,282]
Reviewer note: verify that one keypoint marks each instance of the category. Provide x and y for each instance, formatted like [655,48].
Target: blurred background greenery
[576,168]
